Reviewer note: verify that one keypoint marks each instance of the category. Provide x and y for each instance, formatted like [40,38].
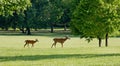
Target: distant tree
[65,18]
[96,19]
[20,22]
[28,20]
[39,6]
[65,13]
[51,14]
[5,22]
[67,7]
[8,9]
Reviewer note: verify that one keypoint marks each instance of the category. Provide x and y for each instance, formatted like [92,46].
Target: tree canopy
[8,7]
[96,18]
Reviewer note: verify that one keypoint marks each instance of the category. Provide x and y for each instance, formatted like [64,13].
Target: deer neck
[36,41]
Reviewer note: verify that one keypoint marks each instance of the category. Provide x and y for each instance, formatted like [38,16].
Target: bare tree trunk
[52,28]
[36,29]
[106,40]
[6,28]
[65,28]
[100,41]
[28,31]
[22,29]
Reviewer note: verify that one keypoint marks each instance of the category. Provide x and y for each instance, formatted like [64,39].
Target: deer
[59,40]
[27,42]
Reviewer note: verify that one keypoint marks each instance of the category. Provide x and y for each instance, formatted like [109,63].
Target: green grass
[76,52]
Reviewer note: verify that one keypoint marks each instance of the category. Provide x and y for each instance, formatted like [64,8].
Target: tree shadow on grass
[47,57]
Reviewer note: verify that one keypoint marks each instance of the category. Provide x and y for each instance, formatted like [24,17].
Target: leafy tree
[4,22]
[28,20]
[96,19]
[65,13]
[51,14]
[66,7]
[65,18]
[39,6]
[8,7]
[20,22]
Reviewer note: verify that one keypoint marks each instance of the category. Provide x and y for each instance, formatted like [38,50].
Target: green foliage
[4,22]
[35,13]
[8,7]
[95,18]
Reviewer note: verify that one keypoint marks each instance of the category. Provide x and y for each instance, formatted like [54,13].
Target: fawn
[27,42]
[59,40]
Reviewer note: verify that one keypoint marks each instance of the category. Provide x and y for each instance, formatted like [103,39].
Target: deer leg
[55,45]
[25,45]
[52,45]
[28,45]
[32,45]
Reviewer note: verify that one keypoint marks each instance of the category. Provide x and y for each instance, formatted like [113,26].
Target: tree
[4,22]
[38,7]
[52,13]
[65,18]
[65,13]
[96,19]
[67,7]
[8,7]
[11,8]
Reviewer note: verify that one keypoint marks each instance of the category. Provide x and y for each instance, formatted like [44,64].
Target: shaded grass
[48,57]
[85,56]
[45,32]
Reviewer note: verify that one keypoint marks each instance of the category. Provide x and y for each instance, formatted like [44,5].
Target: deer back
[30,41]
[60,40]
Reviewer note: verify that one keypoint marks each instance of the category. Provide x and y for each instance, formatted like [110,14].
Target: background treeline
[39,14]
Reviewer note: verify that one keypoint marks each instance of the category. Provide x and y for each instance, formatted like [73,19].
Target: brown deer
[27,42]
[59,40]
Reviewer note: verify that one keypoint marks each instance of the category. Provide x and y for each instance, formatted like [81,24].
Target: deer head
[36,40]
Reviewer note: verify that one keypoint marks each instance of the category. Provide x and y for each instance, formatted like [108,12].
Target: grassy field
[76,52]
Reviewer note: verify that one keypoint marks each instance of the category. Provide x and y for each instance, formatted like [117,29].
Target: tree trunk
[52,28]
[100,41]
[14,26]
[65,28]
[2,28]
[106,40]
[22,29]
[28,31]
[14,29]
[36,29]
[6,28]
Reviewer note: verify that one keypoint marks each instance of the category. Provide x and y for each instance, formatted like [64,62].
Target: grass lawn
[76,52]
